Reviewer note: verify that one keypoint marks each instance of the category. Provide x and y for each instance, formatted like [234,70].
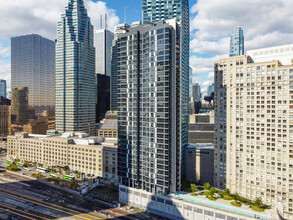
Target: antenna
[101,22]
[106,21]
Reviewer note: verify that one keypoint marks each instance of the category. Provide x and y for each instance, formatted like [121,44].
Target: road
[25,198]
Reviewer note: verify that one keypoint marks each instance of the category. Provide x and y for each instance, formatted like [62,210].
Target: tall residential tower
[237,42]
[75,71]
[33,66]
[155,10]
[149,139]
[3,88]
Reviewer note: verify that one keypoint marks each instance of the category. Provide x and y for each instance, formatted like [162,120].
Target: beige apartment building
[89,155]
[254,130]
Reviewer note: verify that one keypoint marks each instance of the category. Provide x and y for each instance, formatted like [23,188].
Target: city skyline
[208,42]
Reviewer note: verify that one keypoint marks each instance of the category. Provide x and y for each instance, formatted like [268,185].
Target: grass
[194,194]
[257,208]
[238,204]
[206,193]
[227,197]
[212,198]
[107,193]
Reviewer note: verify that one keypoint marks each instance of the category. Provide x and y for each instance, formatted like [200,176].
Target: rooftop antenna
[106,21]
[101,22]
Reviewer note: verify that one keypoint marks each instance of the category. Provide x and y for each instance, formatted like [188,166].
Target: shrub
[206,193]
[12,167]
[257,208]
[238,204]
[227,191]
[200,188]
[194,194]
[193,188]
[38,175]
[212,198]
[227,197]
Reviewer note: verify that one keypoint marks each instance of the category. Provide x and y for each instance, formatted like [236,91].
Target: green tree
[236,197]
[207,186]
[258,201]
[227,191]
[73,184]
[193,188]
[213,191]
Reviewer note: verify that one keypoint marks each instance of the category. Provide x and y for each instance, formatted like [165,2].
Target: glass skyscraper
[155,10]
[148,63]
[3,88]
[75,71]
[237,42]
[33,66]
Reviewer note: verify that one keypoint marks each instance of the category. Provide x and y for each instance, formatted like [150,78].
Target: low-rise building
[109,125]
[200,163]
[89,155]
[201,128]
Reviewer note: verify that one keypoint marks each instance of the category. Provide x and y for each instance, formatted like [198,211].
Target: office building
[109,126]
[103,43]
[200,163]
[3,88]
[196,92]
[90,155]
[148,114]
[201,129]
[155,10]
[19,106]
[211,88]
[237,42]
[33,66]
[253,130]
[102,96]
[75,71]
[281,53]
[4,116]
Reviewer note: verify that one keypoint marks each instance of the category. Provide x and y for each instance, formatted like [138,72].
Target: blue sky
[210,21]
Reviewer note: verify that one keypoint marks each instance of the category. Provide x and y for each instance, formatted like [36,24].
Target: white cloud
[211,75]
[265,23]
[4,51]
[5,72]
[20,17]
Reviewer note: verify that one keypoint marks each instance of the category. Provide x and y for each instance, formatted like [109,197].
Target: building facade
[33,66]
[201,129]
[3,88]
[95,156]
[75,71]
[103,43]
[4,120]
[19,106]
[281,53]
[237,42]
[253,130]
[155,10]
[196,92]
[102,96]
[199,163]
[148,119]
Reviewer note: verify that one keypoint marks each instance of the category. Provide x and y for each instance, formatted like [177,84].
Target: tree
[193,188]
[207,186]
[213,191]
[236,197]
[258,201]
[73,184]
[60,170]
[67,172]
[227,191]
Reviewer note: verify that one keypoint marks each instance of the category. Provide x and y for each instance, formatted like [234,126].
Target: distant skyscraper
[196,92]
[155,10]
[210,89]
[3,88]
[103,96]
[237,42]
[103,43]
[75,71]
[33,66]
[148,120]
